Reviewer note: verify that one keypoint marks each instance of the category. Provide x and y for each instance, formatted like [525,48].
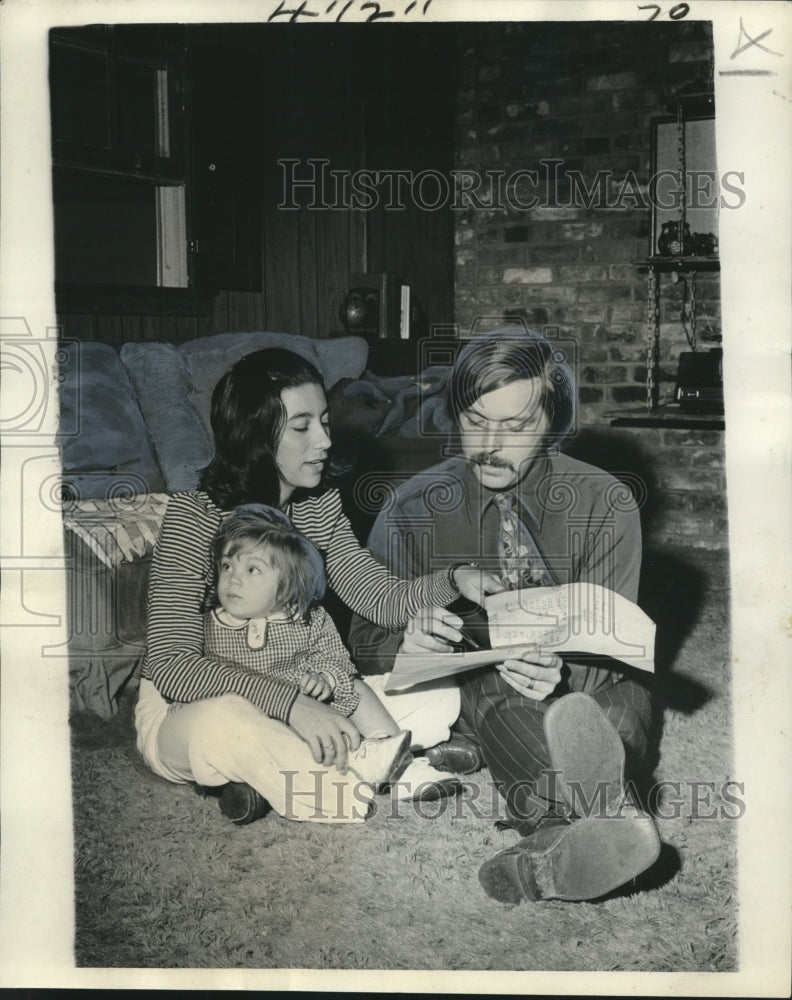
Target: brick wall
[583,95]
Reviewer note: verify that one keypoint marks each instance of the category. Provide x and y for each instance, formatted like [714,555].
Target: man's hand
[316,685]
[432,630]
[475,584]
[328,733]
[535,675]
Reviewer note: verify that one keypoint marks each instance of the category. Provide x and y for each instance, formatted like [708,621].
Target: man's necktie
[521,562]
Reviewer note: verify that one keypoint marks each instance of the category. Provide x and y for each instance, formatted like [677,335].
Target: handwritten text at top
[339,10]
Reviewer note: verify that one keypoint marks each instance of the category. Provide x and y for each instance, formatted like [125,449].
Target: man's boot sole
[590,858]
[589,754]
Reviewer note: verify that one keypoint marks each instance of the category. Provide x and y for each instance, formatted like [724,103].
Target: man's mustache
[492,459]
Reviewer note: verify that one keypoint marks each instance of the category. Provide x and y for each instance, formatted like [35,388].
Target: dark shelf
[670,418]
[680,263]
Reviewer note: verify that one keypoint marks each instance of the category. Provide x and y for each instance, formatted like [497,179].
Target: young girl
[269,578]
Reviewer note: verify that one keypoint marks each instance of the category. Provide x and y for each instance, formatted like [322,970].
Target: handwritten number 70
[676,13]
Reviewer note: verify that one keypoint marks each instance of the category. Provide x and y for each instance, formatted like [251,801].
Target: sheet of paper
[409,669]
[577,617]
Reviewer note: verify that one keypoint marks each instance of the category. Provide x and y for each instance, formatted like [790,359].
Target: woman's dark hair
[247,420]
[510,354]
[296,558]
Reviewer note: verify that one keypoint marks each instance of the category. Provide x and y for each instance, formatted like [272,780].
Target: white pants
[223,739]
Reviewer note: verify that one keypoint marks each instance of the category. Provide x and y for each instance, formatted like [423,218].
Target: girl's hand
[475,584]
[431,630]
[328,733]
[535,675]
[316,685]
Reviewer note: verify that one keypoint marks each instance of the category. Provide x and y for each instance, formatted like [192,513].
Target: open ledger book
[572,618]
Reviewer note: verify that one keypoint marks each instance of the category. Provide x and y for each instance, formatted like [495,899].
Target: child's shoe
[376,760]
[241,803]
[421,782]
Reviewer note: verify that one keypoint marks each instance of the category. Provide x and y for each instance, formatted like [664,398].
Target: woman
[201,719]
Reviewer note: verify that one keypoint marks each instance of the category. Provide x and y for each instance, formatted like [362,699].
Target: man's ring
[530,683]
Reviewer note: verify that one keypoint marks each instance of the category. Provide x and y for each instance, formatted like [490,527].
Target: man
[554,733]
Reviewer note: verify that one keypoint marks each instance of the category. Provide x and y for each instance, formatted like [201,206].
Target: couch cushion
[341,357]
[162,382]
[106,450]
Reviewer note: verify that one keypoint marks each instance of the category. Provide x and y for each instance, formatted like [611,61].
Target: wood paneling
[245,311]
[410,127]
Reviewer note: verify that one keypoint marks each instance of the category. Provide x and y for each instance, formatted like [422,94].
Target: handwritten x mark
[751,42]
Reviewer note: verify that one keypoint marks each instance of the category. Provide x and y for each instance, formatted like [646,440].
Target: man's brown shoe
[574,861]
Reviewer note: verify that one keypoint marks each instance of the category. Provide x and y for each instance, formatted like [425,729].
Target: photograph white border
[754,136]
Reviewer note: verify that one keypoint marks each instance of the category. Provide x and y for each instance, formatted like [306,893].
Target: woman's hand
[328,733]
[535,675]
[316,685]
[432,630]
[475,584]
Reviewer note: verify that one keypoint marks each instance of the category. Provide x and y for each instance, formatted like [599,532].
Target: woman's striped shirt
[182,572]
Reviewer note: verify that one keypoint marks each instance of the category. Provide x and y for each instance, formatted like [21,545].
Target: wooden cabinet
[226,157]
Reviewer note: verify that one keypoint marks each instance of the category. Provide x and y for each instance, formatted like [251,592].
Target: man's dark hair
[511,354]
[247,420]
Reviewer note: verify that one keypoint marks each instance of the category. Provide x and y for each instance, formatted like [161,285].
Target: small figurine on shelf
[669,243]
[359,312]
